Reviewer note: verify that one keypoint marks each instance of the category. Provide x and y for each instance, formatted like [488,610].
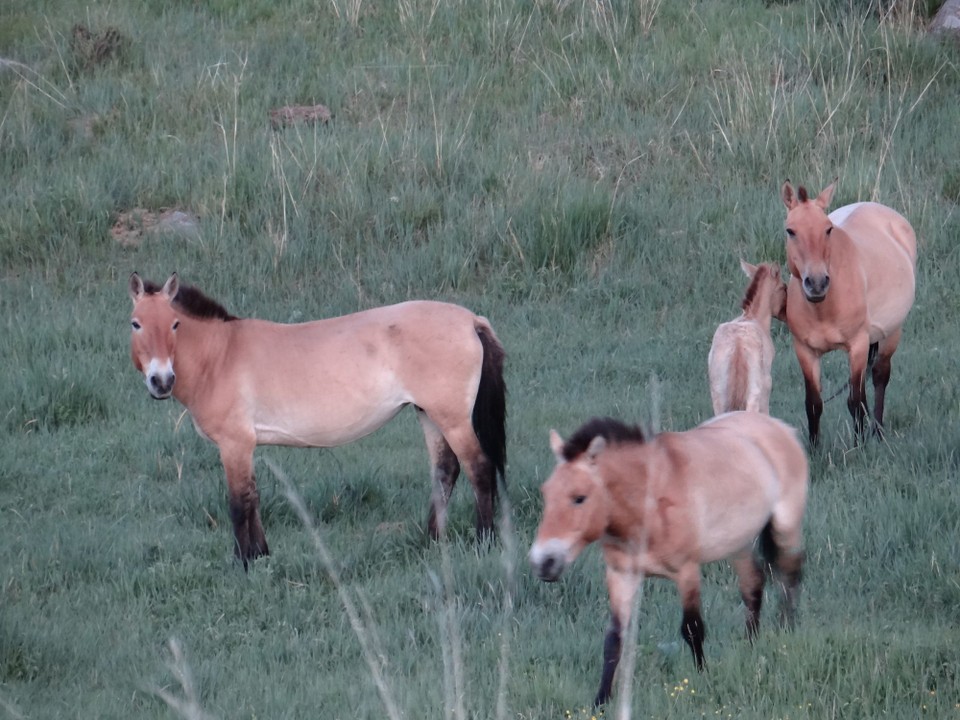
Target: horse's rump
[742,469]
[738,359]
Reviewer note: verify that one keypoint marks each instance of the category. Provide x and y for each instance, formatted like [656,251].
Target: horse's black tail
[769,550]
[490,406]
[872,355]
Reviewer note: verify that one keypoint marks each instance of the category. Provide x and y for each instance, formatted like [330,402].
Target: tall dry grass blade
[356,623]
[455,646]
[11,709]
[628,659]
[508,557]
[187,707]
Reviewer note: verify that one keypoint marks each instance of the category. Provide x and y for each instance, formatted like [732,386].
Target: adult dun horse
[741,355]
[852,284]
[667,504]
[250,382]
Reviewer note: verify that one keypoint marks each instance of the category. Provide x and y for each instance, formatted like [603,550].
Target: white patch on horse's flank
[842,213]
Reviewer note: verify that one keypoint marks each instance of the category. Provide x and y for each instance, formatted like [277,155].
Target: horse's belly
[323,426]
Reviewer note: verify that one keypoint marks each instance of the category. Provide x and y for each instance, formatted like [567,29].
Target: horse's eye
[176,324]
[791,233]
[135,324]
[579,499]
[829,229]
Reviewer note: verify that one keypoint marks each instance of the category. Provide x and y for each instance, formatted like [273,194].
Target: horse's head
[766,285]
[153,336]
[808,239]
[575,509]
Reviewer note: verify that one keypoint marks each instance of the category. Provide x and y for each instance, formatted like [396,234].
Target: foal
[741,355]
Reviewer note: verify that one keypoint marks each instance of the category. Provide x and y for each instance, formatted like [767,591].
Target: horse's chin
[551,578]
[165,396]
[815,299]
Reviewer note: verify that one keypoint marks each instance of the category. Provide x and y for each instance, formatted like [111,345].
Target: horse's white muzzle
[815,287]
[549,559]
[159,378]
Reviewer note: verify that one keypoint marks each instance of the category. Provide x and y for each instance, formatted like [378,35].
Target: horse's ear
[171,286]
[824,198]
[136,287]
[596,447]
[789,198]
[748,269]
[556,444]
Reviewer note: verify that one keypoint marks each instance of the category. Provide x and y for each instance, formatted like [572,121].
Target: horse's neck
[625,481]
[760,309]
[202,346]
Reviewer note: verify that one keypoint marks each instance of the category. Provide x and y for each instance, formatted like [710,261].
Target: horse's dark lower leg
[790,572]
[445,472]
[694,631]
[484,478]
[814,407]
[857,401]
[611,656]
[881,376]
[752,593]
[250,540]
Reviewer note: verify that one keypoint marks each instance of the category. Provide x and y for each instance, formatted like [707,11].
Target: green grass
[585,175]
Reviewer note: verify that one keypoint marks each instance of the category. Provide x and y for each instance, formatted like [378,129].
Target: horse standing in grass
[251,382]
[665,505]
[852,284]
[741,355]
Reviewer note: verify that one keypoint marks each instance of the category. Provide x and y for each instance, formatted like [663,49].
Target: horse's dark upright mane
[610,429]
[802,194]
[193,302]
[750,295]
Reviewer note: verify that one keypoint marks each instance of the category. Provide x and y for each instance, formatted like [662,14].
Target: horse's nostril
[549,569]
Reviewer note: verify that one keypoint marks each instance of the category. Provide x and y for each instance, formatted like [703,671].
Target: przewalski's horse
[667,504]
[251,382]
[852,284]
[741,355]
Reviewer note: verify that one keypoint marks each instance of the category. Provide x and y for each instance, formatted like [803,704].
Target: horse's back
[740,359]
[776,439]
[865,222]
[887,247]
[360,369]
[743,468]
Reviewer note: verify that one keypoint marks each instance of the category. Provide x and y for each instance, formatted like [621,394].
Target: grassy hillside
[587,175]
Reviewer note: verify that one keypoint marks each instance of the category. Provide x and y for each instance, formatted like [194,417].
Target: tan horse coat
[741,355]
[664,506]
[324,383]
[852,284]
